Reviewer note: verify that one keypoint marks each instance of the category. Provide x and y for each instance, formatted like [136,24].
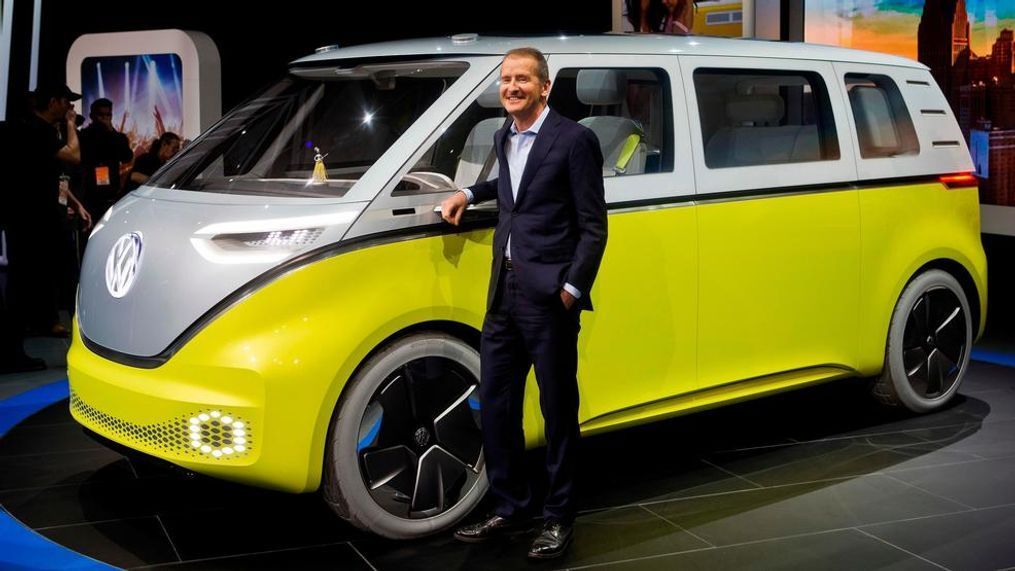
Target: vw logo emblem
[123,263]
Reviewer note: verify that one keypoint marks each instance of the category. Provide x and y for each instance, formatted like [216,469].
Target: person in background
[679,17]
[103,150]
[163,149]
[665,16]
[40,149]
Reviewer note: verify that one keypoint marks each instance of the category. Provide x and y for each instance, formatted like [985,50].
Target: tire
[929,342]
[404,454]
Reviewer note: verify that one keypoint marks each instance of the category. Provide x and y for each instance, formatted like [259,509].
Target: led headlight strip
[268,240]
[291,239]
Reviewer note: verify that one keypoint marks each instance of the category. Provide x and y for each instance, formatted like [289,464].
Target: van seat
[874,121]
[620,138]
[752,141]
[478,147]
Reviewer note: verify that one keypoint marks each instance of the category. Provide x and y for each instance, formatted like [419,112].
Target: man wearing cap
[30,201]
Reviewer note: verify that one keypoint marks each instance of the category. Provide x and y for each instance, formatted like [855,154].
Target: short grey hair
[542,69]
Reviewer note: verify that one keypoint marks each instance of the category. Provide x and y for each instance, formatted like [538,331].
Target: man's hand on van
[453,207]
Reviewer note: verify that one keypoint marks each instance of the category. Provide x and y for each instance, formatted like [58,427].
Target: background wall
[256,43]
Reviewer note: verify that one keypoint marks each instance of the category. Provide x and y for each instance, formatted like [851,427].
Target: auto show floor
[822,478]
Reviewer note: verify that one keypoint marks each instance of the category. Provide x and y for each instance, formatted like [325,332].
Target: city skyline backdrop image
[890,26]
[146,91]
[967,44]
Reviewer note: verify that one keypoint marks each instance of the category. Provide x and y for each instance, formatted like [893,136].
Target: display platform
[819,478]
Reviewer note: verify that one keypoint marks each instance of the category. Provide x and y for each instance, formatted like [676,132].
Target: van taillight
[964,180]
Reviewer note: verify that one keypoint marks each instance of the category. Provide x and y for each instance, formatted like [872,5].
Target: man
[35,160]
[103,150]
[549,241]
[162,149]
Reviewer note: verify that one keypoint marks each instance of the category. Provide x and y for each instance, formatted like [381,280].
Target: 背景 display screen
[968,47]
[146,91]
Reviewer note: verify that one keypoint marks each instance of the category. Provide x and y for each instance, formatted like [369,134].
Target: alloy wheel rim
[934,343]
[420,445]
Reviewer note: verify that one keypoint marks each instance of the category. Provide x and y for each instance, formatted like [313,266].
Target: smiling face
[522,93]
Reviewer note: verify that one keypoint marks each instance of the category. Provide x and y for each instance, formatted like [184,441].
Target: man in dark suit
[549,241]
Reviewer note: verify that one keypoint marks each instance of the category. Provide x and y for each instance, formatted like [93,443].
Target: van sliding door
[778,220]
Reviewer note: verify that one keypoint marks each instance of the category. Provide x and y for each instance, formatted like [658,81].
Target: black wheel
[929,341]
[405,452]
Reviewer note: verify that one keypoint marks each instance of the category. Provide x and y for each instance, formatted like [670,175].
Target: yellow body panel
[905,228]
[296,342]
[639,343]
[778,285]
[696,305]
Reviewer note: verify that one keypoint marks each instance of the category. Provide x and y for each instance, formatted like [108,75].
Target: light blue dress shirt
[516,151]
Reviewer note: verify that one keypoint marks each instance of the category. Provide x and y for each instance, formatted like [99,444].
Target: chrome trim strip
[753,195]
[647,205]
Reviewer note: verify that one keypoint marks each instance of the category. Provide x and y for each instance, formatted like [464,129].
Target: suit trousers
[519,333]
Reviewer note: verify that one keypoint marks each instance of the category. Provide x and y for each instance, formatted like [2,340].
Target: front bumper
[207,418]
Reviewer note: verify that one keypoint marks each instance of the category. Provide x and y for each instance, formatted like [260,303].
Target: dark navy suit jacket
[558,223]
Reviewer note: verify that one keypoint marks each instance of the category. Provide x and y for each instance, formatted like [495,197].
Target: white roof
[612,44]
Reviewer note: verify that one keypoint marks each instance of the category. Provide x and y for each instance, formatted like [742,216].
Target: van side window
[464,154]
[630,111]
[763,117]
[883,125]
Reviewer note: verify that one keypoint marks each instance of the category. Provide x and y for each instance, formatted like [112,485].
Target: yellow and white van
[282,306]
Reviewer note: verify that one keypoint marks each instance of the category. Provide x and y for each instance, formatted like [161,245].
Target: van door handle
[403,211]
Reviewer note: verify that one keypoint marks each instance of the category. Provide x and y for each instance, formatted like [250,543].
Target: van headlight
[268,240]
[284,239]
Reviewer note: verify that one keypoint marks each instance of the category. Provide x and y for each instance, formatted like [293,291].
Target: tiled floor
[817,479]
[54,351]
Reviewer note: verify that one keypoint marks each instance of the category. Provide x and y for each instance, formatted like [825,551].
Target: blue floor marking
[994,357]
[20,406]
[21,547]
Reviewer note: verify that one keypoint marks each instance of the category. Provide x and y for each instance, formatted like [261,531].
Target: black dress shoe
[552,541]
[489,528]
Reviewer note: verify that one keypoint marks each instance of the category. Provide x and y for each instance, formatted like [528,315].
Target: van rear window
[883,125]
[762,117]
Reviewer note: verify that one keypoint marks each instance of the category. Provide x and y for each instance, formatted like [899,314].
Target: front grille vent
[211,434]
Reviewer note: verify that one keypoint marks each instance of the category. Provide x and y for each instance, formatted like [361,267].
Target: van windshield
[314,133]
